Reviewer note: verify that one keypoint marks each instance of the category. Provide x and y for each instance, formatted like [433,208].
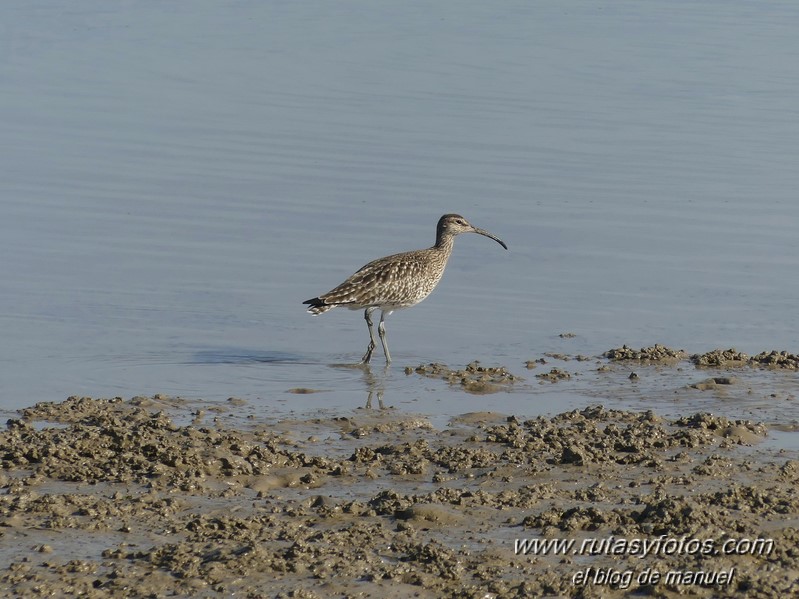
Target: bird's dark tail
[318,306]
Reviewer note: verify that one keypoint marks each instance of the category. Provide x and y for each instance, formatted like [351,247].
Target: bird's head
[455,224]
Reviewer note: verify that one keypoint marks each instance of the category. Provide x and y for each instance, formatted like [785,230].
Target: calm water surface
[178,178]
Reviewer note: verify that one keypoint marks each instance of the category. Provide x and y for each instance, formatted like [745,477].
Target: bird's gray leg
[381,330]
[367,314]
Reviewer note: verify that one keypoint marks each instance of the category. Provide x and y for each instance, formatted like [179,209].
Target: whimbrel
[397,281]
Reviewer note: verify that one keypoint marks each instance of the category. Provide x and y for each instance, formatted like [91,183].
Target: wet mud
[155,497]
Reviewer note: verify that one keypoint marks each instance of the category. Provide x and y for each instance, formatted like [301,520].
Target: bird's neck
[444,243]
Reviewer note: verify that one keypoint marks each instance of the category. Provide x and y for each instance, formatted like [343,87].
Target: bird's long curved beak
[487,234]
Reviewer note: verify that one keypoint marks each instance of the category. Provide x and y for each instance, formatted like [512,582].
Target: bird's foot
[368,355]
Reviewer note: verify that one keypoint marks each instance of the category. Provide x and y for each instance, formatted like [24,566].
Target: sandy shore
[151,497]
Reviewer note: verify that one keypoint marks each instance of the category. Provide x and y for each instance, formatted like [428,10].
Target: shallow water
[177,180]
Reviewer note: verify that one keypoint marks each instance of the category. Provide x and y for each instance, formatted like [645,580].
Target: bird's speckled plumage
[397,281]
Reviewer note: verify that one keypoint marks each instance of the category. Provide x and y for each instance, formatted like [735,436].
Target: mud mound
[656,353]
[776,359]
[474,378]
[720,358]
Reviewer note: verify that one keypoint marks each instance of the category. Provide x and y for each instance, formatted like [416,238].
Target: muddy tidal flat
[155,497]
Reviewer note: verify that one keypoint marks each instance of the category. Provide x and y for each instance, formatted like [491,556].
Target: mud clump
[553,376]
[717,358]
[656,353]
[740,431]
[474,378]
[720,358]
[715,382]
[776,359]
[106,498]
